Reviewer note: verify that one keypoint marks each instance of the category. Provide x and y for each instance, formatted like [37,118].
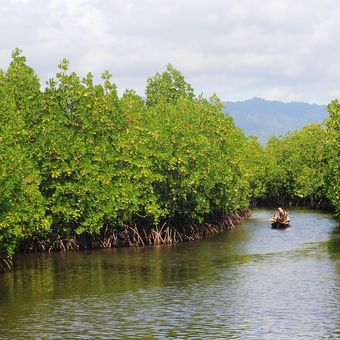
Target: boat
[276,224]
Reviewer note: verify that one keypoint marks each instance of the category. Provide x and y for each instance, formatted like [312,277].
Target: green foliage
[24,86]
[255,162]
[22,211]
[332,155]
[295,172]
[191,150]
[77,152]
[167,87]
[300,168]
[185,154]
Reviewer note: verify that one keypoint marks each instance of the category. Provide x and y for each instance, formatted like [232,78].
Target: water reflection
[251,282]
[334,243]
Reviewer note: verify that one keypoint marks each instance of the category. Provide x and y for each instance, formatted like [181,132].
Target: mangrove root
[6,264]
[137,235]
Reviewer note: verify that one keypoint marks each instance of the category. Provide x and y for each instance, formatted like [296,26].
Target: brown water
[251,283]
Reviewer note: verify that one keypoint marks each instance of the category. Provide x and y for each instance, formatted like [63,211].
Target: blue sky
[279,50]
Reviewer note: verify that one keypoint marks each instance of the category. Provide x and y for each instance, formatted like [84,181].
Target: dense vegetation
[294,172]
[332,156]
[77,160]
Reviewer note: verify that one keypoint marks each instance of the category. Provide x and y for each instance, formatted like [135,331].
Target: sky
[287,50]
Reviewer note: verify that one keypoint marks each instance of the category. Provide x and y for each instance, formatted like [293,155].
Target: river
[251,283]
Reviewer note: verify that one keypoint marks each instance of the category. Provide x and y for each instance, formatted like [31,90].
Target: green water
[252,283]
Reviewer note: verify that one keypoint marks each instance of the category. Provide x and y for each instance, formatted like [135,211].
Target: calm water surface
[251,283]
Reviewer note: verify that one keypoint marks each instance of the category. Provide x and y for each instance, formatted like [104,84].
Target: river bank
[129,236]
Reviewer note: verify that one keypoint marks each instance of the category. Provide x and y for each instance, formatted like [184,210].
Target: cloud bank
[276,49]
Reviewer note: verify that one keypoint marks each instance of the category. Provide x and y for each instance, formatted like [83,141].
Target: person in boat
[282,216]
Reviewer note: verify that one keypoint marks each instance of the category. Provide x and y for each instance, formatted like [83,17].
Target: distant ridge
[264,118]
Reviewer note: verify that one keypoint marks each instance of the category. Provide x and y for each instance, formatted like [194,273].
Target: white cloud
[279,49]
[281,94]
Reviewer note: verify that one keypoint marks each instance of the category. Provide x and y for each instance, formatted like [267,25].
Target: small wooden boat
[276,224]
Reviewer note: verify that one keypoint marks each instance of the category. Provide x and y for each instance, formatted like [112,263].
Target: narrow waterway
[253,282]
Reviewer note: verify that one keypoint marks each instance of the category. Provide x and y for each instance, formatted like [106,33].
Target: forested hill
[263,118]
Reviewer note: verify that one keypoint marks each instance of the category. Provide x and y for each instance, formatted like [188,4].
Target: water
[253,282]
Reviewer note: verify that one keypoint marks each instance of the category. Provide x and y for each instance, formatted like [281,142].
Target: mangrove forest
[82,167]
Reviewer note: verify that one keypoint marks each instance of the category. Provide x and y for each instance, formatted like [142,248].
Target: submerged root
[109,241]
[6,264]
[33,244]
[135,235]
[66,244]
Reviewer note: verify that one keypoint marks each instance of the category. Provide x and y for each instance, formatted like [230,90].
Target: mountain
[264,118]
